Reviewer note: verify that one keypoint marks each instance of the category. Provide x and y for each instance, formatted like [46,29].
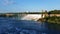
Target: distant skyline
[28,5]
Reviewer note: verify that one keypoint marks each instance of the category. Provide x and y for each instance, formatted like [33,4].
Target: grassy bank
[53,19]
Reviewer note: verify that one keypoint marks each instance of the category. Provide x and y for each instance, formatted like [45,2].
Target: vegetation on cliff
[53,19]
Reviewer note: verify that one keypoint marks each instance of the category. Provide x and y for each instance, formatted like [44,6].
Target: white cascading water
[34,17]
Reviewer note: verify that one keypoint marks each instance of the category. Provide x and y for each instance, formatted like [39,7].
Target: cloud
[7,2]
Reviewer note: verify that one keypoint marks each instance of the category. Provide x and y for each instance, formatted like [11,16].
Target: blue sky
[28,5]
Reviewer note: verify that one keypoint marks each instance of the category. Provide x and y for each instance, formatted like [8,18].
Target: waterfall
[34,17]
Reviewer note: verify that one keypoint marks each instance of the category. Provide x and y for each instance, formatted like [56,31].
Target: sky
[28,5]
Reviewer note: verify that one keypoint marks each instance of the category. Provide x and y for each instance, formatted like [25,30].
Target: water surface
[14,26]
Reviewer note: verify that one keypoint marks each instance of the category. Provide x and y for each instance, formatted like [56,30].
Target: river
[14,26]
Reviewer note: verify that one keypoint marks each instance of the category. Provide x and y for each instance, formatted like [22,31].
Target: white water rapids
[34,17]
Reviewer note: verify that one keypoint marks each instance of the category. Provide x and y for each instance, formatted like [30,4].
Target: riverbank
[53,19]
[53,22]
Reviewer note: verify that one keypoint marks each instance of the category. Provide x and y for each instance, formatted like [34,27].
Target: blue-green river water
[14,26]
